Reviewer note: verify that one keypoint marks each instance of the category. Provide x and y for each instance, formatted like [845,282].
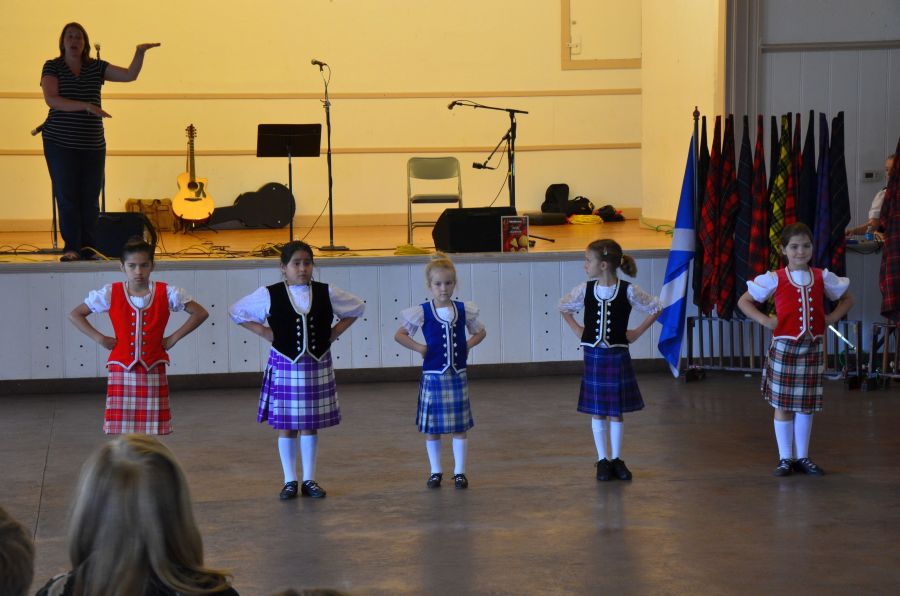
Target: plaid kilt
[792,378]
[298,395]
[608,387]
[137,401]
[444,403]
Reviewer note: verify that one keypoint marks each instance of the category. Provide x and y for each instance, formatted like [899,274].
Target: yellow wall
[392,52]
[683,66]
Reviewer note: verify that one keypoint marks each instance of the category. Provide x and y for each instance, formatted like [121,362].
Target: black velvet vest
[606,320]
[295,333]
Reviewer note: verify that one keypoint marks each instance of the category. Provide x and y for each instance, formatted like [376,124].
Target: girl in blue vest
[298,393]
[608,387]
[444,389]
[137,392]
[792,378]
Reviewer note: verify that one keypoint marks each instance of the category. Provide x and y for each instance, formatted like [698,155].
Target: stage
[203,244]
[516,292]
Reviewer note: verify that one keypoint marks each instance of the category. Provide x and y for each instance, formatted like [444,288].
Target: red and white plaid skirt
[137,401]
[792,378]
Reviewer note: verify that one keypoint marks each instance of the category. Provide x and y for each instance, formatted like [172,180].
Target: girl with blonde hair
[132,530]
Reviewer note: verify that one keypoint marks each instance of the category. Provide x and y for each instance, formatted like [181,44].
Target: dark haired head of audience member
[132,530]
[16,557]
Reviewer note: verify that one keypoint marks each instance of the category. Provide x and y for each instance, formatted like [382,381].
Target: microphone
[37,129]
[452,104]
[97,47]
[481,166]
[318,63]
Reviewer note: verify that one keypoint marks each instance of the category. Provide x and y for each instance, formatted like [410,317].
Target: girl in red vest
[137,392]
[298,393]
[792,379]
[608,387]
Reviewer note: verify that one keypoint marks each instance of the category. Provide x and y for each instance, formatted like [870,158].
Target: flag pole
[696,150]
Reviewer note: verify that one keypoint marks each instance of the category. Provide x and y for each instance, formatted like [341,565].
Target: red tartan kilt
[792,379]
[137,401]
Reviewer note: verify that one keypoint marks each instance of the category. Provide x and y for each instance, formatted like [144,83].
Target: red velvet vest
[800,309]
[139,331]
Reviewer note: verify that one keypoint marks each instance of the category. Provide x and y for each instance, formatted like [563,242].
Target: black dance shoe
[805,465]
[620,470]
[784,468]
[289,491]
[310,488]
[460,481]
[604,469]
[434,481]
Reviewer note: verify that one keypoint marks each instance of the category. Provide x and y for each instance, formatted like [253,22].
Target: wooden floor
[362,241]
[703,515]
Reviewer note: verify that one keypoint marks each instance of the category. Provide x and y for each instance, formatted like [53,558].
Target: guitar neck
[191,159]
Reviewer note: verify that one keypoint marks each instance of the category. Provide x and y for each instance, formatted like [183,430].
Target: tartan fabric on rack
[728,206]
[773,152]
[822,231]
[707,231]
[744,218]
[840,197]
[790,197]
[779,191]
[702,169]
[806,177]
[758,256]
[889,224]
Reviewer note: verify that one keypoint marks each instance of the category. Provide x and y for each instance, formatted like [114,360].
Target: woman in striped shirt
[74,145]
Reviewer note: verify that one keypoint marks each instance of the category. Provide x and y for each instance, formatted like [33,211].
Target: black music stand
[289,140]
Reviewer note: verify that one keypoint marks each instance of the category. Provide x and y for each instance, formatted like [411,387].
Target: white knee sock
[287,449]
[784,436]
[601,429]
[460,446]
[802,432]
[434,455]
[616,430]
[308,445]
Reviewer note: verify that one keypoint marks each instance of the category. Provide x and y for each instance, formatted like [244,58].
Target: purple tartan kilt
[792,378]
[608,387]
[298,395]
[444,403]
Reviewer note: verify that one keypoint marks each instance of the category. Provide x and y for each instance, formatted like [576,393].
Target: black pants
[77,176]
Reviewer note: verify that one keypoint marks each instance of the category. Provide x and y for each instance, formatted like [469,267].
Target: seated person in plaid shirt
[137,393]
[608,387]
[444,389]
[792,378]
[298,393]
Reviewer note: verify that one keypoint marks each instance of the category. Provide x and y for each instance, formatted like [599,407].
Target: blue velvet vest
[295,333]
[605,321]
[446,341]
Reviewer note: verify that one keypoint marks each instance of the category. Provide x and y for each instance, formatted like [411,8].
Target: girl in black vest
[298,392]
[444,389]
[608,387]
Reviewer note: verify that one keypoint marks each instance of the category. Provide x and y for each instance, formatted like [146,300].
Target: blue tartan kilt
[444,403]
[608,387]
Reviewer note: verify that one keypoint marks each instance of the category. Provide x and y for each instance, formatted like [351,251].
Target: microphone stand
[103,180]
[484,165]
[511,146]
[326,103]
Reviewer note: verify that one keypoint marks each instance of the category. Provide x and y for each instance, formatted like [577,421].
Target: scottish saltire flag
[673,296]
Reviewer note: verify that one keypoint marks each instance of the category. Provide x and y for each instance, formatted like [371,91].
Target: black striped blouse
[76,130]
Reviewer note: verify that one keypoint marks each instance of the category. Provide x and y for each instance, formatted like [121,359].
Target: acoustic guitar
[192,203]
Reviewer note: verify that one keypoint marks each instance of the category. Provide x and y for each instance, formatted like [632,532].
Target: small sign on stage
[514,233]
